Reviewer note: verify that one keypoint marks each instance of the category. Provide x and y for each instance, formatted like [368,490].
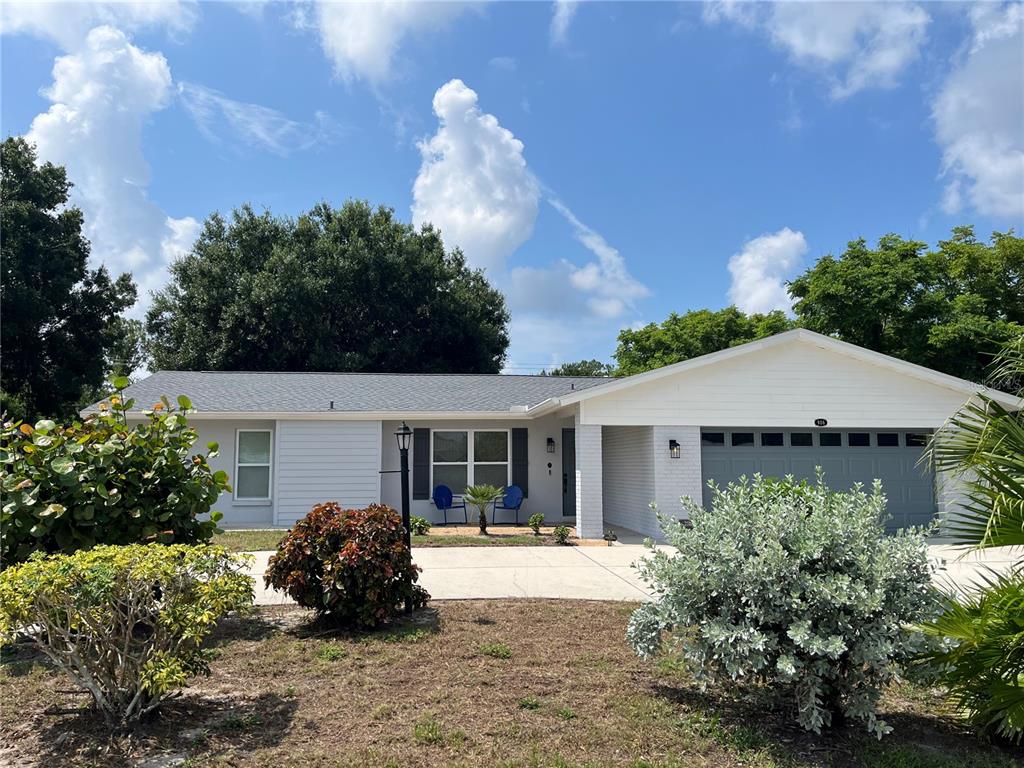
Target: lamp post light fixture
[674,451]
[404,436]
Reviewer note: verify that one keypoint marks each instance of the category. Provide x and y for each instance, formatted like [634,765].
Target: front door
[569,473]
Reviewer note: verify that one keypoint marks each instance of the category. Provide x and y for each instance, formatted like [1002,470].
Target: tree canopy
[349,289]
[59,315]
[692,334]
[949,309]
[581,368]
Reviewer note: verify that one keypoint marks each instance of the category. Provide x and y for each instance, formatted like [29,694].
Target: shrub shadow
[424,620]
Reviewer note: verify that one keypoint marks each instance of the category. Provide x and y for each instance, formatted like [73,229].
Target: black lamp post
[404,436]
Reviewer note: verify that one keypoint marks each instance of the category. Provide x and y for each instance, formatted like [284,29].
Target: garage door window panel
[801,439]
[742,438]
[859,439]
[830,439]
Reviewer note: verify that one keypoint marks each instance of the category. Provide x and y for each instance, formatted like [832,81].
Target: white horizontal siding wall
[789,385]
[320,461]
[628,483]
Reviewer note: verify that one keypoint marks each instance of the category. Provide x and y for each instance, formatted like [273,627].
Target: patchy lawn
[469,683]
[461,536]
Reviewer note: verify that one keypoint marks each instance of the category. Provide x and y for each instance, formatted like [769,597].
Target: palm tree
[480,496]
[983,447]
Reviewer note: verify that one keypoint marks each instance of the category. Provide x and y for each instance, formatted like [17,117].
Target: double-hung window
[460,458]
[252,464]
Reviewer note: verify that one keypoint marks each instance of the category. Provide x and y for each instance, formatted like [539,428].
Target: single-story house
[592,452]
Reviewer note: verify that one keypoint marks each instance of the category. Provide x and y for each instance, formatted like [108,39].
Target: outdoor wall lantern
[551,445]
[674,451]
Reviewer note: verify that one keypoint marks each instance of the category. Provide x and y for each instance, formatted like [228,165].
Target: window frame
[269,464]
[470,461]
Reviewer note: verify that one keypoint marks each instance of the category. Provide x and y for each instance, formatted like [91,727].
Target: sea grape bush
[103,481]
[124,623]
[351,566]
[793,586]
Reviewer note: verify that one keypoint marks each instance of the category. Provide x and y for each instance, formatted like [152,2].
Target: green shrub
[419,526]
[795,587]
[496,650]
[125,623]
[100,481]
[535,522]
[349,565]
[561,534]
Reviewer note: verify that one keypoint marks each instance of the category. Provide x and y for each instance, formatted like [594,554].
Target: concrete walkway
[584,573]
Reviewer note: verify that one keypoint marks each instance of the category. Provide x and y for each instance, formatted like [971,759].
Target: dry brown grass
[470,683]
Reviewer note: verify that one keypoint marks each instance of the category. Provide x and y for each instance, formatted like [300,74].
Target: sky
[605,163]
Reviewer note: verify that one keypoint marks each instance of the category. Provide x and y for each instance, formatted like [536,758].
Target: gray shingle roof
[243,392]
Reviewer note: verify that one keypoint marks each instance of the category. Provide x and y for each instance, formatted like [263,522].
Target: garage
[846,457]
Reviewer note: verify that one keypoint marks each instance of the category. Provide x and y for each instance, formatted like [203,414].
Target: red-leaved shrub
[349,565]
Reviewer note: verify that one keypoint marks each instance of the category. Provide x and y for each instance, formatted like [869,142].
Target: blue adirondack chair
[512,500]
[444,501]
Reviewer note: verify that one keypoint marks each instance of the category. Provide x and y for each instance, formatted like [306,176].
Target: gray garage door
[845,456]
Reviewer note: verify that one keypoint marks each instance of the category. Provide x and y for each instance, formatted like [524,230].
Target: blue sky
[606,163]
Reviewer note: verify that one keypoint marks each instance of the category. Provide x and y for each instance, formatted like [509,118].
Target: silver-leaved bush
[792,586]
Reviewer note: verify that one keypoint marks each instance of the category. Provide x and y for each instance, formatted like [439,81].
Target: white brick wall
[674,478]
[628,462]
[589,471]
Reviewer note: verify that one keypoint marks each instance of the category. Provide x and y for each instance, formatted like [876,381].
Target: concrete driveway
[583,573]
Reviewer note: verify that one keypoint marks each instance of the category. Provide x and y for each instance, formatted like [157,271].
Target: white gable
[785,384]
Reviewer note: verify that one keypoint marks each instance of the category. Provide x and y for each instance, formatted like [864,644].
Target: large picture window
[460,458]
[252,465]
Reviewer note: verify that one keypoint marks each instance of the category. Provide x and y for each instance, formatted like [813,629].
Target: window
[859,439]
[830,439]
[888,439]
[252,464]
[742,438]
[712,438]
[771,438]
[916,440]
[801,439]
[470,457]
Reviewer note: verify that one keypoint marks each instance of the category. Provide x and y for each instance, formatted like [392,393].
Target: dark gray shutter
[520,459]
[421,463]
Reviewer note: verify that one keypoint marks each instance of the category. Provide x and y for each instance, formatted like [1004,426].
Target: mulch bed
[473,683]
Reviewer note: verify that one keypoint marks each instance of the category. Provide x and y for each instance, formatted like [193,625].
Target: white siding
[628,460]
[318,461]
[675,478]
[789,385]
[589,482]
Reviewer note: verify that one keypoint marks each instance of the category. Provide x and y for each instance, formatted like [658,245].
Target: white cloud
[68,23]
[979,116]
[856,45]
[759,271]
[610,288]
[102,95]
[504,63]
[252,124]
[561,17]
[362,39]
[474,184]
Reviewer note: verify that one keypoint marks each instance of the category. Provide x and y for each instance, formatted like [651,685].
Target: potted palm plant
[480,496]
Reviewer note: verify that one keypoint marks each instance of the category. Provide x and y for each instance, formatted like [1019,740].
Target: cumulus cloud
[760,270]
[67,24]
[856,45]
[218,116]
[561,17]
[102,95]
[362,40]
[979,116]
[473,183]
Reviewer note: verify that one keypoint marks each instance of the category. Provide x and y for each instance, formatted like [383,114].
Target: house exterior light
[404,435]
[551,445]
[674,451]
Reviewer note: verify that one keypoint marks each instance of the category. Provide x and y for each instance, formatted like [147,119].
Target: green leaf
[184,403]
[216,516]
[120,382]
[53,510]
[63,465]
[213,446]
[45,425]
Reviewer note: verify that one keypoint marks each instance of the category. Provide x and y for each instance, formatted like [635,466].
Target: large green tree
[692,334]
[349,289]
[581,368]
[58,315]
[949,308]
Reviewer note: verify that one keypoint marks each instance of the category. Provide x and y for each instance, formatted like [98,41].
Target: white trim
[470,458]
[808,337]
[256,500]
